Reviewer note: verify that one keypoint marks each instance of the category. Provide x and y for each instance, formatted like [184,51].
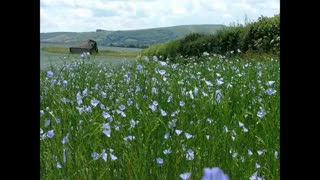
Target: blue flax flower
[214,174]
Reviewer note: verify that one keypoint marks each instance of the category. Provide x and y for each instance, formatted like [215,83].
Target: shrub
[262,36]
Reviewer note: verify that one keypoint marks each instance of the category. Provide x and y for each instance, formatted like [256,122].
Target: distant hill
[129,38]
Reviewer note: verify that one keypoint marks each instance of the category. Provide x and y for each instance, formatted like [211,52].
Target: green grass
[56,49]
[106,52]
[203,115]
[118,53]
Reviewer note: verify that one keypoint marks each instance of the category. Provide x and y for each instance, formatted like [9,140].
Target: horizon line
[138,29]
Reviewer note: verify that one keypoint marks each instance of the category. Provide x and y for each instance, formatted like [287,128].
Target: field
[57,54]
[150,119]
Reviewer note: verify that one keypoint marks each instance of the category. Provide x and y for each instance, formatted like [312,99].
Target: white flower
[208,137]
[185,176]
[163,113]
[260,152]
[107,129]
[113,157]
[257,166]
[261,113]
[133,123]
[208,83]
[178,131]
[190,155]
[269,83]
[167,151]
[162,63]
[205,54]
[104,155]
[188,136]
[219,81]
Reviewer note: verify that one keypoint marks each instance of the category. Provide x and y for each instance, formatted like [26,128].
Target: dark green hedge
[260,36]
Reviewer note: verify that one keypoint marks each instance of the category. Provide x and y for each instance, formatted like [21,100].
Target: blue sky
[89,15]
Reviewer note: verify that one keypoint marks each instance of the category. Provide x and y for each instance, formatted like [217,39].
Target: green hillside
[71,37]
[129,38]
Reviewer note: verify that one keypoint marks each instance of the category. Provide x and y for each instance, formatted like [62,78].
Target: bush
[262,36]
[229,39]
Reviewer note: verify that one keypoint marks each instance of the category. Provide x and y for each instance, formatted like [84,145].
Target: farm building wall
[89,46]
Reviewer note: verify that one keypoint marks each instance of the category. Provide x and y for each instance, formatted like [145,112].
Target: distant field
[114,55]
[99,47]
[119,49]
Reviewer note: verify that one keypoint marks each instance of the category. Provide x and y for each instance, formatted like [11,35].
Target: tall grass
[107,122]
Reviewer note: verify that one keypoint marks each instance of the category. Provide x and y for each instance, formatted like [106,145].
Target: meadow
[152,119]
[52,54]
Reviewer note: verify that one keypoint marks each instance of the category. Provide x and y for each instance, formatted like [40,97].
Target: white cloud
[81,13]
[216,5]
[85,15]
[227,15]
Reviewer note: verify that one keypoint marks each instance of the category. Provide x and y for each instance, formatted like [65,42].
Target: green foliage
[229,39]
[171,49]
[262,36]
[163,50]
[189,46]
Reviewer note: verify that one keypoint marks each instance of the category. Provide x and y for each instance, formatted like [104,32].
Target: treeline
[138,38]
[260,36]
[128,45]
